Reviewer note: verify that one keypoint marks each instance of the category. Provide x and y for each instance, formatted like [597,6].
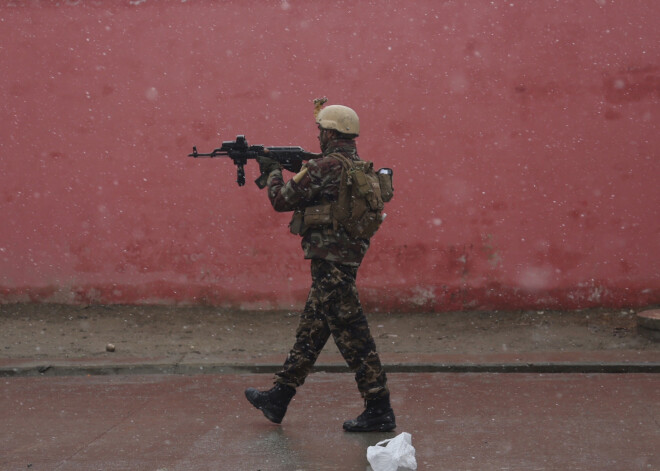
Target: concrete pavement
[511,422]
[476,391]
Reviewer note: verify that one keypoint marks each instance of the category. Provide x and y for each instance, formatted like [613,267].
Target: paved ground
[514,422]
[546,391]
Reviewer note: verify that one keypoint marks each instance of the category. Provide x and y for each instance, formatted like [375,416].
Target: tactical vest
[359,205]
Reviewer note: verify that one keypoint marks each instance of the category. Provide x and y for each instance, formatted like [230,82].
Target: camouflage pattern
[319,186]
[333,305]
[333,308]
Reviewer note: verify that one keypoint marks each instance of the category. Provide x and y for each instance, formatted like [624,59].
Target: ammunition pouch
[312,216]
[297,224]
[320,215]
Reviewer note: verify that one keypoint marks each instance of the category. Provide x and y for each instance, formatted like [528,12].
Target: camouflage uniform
[333,306]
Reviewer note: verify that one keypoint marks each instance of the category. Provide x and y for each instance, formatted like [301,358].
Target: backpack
[362,194]
[359,205]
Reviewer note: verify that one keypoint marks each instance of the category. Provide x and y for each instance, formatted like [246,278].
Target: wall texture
[524,136]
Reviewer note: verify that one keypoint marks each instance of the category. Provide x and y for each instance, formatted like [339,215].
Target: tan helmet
[340,118]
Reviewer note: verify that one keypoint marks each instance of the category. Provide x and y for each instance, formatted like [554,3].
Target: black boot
[377,417]
[272,403]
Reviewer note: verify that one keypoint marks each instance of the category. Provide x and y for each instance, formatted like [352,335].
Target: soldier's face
[324,137]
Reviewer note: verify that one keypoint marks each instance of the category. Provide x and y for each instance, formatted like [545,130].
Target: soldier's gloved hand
[267,165]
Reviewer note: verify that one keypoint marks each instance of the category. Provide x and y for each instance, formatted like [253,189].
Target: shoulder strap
[346,163]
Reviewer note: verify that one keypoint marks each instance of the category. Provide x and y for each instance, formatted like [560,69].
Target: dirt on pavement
[37,331]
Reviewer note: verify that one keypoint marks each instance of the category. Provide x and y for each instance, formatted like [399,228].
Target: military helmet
[340,118]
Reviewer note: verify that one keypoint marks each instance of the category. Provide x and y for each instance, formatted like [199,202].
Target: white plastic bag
[393,454]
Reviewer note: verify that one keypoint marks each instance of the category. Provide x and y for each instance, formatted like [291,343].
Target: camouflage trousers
[333,308]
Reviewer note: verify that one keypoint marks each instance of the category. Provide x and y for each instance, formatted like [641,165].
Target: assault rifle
[291,158]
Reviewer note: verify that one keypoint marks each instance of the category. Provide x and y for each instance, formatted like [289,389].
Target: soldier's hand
[267,165]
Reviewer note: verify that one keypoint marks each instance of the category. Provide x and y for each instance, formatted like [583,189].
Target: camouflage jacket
[319,186]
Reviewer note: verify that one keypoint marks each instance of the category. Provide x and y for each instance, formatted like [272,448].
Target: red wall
[524,138]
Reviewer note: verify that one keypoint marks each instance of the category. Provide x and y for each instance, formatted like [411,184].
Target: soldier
[333,306]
